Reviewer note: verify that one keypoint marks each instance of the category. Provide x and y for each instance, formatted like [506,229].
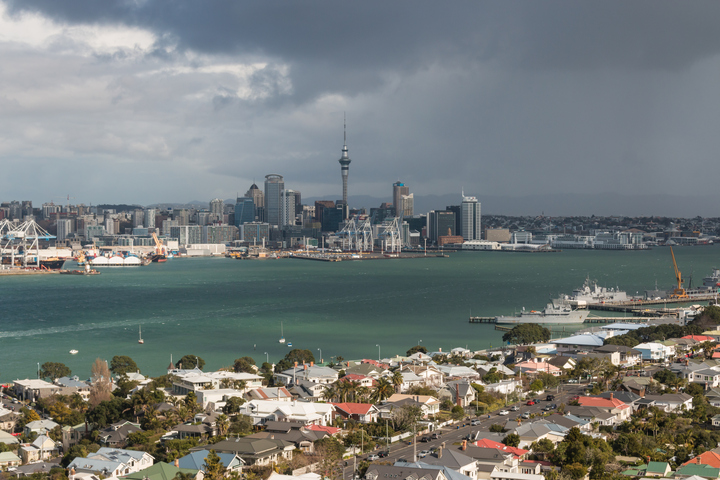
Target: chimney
[612,396]
[440,349]
[312,363]
[439,453]
[177,463]
[295,364]
[304,366]
[348,364]
[464,445]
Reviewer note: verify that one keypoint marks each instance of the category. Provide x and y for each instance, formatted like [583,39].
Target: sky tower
[345,167]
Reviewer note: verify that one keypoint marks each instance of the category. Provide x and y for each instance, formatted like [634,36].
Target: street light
[378,351]
[320,350]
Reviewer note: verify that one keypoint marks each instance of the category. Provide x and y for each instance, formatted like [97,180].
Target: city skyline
[124,102]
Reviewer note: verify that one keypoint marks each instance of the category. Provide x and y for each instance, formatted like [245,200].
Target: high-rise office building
[274,186]
[287,207]
[216,210]
[258,199]
[407,205]
[470,211]
[344,168]
[399,189]
[149,220]
[244,211]
[440,223]
[64,228]
[138,218]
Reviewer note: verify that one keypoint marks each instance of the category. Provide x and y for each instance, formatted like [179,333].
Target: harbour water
[221,309]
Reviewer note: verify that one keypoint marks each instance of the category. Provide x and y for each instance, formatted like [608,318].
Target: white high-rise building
[216,210]
[274,186]
[470,218]
[150,217]
[287,207]
[64,228]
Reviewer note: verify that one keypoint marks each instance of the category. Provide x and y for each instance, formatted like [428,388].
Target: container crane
[679,291]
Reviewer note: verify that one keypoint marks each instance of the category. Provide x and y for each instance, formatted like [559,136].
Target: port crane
[679,291]
[159,247]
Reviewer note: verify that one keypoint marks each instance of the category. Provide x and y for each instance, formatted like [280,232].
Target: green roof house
[160,471]
[657,469]
[698,469]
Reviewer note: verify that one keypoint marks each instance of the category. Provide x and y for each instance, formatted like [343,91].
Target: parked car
[504,412]
[550,398]
[383,453]
[435,436]
[525,416]
[425,439]
[423,454]
[401,460]
[530,402]
[475,423]
[372,457]
[514,408]
[547,408]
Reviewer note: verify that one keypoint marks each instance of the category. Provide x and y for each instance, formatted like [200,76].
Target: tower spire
[344,165]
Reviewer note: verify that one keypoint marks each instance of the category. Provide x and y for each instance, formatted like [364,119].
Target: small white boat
[282,336]
[289,344]
[73,352]
[140,339]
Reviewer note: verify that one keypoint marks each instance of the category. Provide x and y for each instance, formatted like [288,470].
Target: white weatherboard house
[655,352]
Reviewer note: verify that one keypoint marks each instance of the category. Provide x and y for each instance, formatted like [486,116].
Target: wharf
[637,304]
[366,256]
[588,320]
[22,271]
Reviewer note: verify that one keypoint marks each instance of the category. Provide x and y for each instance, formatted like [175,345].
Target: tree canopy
[53,370]
[527,333]
[653,333]
[122,364]
[244,364]
[295,355]
[416,349]
[190,361]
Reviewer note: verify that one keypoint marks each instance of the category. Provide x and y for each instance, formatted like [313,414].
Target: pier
[508,326]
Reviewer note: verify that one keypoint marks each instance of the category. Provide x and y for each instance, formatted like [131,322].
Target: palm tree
[223,423]
[383,390]
[353,387]
[397,380]
[330,392]
[363,393]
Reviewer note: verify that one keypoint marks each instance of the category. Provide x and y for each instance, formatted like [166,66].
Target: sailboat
[140,339]
[282,337]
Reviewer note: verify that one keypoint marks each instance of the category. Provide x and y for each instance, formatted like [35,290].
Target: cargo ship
[551,314]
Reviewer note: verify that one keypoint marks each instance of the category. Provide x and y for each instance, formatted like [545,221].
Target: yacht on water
[551,314]
[282,335]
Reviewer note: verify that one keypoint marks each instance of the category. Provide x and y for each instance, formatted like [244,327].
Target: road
[458,431]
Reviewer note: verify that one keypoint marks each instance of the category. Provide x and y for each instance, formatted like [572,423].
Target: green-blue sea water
[221,309]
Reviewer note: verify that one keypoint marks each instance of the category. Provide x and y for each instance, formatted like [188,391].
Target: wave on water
[83,327]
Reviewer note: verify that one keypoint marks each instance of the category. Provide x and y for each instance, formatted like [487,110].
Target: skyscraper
[216,209]
[344,167]
[274,185]
[470,213]
[287,207]
[258,199]
[244,211]
[399,189]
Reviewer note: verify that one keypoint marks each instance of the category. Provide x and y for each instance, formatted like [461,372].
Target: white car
[372,457]
[423,454]
[514,408]
[504,412]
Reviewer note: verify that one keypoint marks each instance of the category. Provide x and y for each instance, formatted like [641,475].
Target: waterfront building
[399,189]
[92,231]
[274,186]
[255,232]
[219,233]
[244,211]
[498,235]
[167,225]
[258,198]
[344,168]
[187,234]
[440,223]
[470,212]
[332,217]
[520,237]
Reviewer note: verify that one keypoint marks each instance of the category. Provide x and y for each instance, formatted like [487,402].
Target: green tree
[54,370]
[511,440]
[497,428]
[492,376]
[384,389]
[138,438]
[416,349]
[244,364]
[241,425]
[537,385]
[296,355]
[122,364]
[188,362]
[576,471]
[527,333]
[232,405]
[213,467]
[457,412]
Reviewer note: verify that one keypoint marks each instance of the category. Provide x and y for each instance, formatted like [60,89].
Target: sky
[147,101]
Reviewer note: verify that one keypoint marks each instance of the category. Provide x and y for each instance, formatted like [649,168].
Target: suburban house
[116,435]
[655,352]
[360,412]
[185,381]
[381,472]
[430,375]
[39,427]
[536,365]
[306,413]
[428,405]
[279,394]
[42,448]
[459,392]
[113,462]
[30,389]
[255,451]
[610,405]
[196,461]
[670,402]
[625,356]
[312,373]
[302,437]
